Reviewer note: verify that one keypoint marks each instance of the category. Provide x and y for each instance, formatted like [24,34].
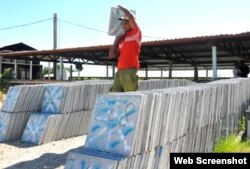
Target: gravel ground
[19,155]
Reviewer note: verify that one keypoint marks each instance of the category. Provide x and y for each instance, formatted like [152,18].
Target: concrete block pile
[64,113]
[20,102]
[140,129]
[33,113]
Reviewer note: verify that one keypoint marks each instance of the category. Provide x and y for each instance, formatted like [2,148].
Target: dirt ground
[19,155]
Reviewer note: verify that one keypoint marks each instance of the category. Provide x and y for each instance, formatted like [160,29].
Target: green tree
[4,80]
[46,70]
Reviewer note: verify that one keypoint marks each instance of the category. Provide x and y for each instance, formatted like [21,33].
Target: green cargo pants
[125,81]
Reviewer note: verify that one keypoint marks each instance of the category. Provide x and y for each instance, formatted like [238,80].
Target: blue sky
[157,18]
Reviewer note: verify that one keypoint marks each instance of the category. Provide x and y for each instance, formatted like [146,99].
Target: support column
[161,74]
[107,71]
[61,68]
[146,72]
[1,67]
[207,74]
[170,70]
[214,58]
[31,68]
[79,68]
[79,72]
[15,69]
[54,70]
[196,75]
[113,71]
[49,71]
[70,73]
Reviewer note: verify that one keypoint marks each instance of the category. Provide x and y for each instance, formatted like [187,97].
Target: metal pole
[146,73]
[61,68]
[195,72]
[214,57]
[31,68]
[15,69]
[54,70]
[161,74]
[49,71]
[207,74]
[113,71]
[55,31]
[79,70]
[55,42]
[70,72]
[170,70]
[107,71]
[79,75]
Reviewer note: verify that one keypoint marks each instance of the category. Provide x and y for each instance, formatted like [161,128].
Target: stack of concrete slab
[46,127]
[20,102]
[139,130]
[162,84]
[58,100]
[62,101]
[83,94]
[65,111]
[23,99]
[53,122]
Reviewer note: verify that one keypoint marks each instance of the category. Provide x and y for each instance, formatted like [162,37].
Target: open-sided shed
[197,53]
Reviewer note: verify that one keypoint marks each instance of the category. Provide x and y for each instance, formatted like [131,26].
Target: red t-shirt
[129,48]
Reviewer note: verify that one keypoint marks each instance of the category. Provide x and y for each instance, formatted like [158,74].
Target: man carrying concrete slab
[127,47]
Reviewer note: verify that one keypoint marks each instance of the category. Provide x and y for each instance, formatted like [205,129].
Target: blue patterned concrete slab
[114,123]
[52,99]
[4,123]
[11,99]
[35,128]
[82,161]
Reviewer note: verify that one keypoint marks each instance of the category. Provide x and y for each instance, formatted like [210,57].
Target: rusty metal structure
[174,54]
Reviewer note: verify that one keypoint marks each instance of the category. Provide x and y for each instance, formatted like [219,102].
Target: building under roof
[174,54]
[21,68]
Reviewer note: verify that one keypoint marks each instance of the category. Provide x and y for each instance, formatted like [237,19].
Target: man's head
[124,20]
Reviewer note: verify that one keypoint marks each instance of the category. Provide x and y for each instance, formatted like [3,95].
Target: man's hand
[130,16]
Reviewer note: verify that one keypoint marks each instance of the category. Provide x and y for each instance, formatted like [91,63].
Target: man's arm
[112,51]
[130,16]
